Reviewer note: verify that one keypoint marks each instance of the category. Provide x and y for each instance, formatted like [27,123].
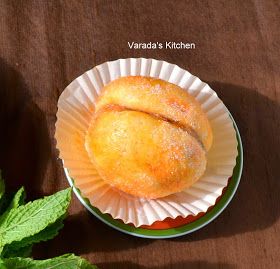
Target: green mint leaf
[67,261]
[18,199]
[9,202]
[30,219]
[48,233]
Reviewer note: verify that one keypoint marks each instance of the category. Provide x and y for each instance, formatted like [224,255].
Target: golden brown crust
[142,155]
[148,137]
[156,96]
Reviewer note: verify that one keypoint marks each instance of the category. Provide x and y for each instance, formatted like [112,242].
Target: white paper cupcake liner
[75,109]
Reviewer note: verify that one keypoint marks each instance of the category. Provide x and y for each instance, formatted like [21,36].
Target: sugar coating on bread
[156,96]
[143,155]
[148,137]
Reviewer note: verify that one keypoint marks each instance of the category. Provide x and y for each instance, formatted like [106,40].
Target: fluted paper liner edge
[75,109]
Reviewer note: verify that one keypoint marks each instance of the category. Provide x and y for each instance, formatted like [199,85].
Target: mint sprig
[30,219]
[20,246]
[22,225]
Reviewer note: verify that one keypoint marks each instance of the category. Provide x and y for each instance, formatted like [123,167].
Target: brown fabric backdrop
[44,45]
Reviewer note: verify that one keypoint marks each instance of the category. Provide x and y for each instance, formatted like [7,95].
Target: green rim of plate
[178,231]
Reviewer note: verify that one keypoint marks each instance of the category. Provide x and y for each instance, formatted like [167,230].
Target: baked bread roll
[148,137]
